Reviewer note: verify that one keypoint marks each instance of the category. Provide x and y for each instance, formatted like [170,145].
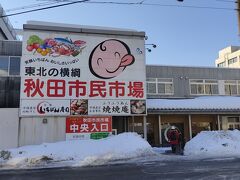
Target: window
[231,87]
[14,66]
[151,86]
[9,92]
[233,60]
[233,123]
[203,87]
[160,86]
[197,127]
[9,65]
[223,64]
[4,62]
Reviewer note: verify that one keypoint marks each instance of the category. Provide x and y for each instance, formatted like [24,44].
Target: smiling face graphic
[109,58]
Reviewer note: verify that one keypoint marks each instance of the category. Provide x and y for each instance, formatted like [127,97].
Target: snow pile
[214,144]
[79,152]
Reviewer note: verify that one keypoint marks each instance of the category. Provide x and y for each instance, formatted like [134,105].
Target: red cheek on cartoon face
[110,59]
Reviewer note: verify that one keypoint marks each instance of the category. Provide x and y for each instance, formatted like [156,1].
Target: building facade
[7,31]
[189,98]
[229,57]
[186,97]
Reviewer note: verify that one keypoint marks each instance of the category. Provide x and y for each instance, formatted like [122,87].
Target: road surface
[227,168]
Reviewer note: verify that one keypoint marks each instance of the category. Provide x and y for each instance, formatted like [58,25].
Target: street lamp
[152,45]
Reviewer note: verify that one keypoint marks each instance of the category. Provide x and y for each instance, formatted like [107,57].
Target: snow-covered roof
[209,103]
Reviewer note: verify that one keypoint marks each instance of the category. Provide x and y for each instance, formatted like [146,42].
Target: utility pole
[238,14]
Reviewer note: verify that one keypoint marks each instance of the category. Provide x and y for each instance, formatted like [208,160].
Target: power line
[162,5]
[40,9]
[117,3]
[31,6]
[152,4]
[227,1]
[189,6]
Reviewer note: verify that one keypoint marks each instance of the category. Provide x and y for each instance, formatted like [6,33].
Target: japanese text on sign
[63,88]
[88,124]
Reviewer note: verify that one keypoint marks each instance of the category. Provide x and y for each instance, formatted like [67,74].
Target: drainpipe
[19,131]
[160,129]
[145,127]
[190,125]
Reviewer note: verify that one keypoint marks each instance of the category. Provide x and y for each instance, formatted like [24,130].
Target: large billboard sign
[66,74]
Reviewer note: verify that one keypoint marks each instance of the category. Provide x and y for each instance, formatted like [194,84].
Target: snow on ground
[122,148]
[79,152]
[214,144]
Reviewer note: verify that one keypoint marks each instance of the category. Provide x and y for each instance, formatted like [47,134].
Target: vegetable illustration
[55,46]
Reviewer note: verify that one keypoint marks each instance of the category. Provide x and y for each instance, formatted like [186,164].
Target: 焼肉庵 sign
[82,74]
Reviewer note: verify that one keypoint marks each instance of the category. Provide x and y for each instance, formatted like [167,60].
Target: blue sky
[184,36]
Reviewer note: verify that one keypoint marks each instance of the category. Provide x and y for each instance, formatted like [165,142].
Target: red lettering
[30,86]
[136,89]
[118,87]
[78,86]
[56,88]
[97,88]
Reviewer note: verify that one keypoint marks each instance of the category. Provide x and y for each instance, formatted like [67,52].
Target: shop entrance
[166,127]
[119,124]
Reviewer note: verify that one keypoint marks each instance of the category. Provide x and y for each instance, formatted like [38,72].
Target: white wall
[8,128]
[34,131]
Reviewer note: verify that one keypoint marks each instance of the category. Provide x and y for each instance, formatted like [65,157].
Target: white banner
[78,136]
[45,107]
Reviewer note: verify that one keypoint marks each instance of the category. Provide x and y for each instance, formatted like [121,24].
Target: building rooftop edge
[189,66]
[35,25]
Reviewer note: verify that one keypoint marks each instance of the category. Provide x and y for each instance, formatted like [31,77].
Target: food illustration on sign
[55,46]
[138,106]
[79,107]
[110,58]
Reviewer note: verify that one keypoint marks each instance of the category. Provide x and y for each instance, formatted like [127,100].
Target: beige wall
[34,131]
[229,53]
[8,128]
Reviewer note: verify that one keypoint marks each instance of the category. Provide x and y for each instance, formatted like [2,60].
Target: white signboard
[45,107]
[77,67]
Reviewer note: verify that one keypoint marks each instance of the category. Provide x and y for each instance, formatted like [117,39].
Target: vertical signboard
[66,74]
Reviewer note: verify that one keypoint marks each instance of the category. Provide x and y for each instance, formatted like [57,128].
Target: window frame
[157,81]
[232,83]
[204,83]
[233,124]
[8,68]
[222,64]
[232,60]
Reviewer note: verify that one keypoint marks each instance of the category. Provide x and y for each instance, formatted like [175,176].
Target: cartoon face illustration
[109,58]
